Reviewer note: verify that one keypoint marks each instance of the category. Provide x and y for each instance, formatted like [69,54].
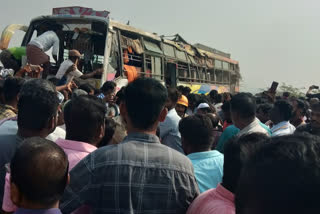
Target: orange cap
[183,101]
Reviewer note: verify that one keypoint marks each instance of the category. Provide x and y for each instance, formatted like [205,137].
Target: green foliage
[294,91]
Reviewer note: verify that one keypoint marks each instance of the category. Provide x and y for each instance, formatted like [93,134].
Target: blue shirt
[208,168]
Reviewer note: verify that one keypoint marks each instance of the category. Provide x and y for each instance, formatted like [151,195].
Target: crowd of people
[67,147]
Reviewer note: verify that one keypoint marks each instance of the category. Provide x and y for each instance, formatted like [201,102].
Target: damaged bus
[125,52]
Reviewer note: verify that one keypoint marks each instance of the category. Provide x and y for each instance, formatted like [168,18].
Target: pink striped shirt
[214,201]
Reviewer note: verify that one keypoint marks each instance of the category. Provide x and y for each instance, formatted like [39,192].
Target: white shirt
[253,127]
[283,128]
[47,40]
[64,67]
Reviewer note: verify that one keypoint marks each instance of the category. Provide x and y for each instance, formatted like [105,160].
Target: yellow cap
[183,101]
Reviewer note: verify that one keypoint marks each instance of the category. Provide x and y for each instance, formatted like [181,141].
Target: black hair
[226,106]
[315,107]
[12,87]
[285,109]
[265,108]
[39,169]
[244,104]
[282,177]
[110,128]
[213,94]
[173,94]
[236,152]
[186,91]
[145,98]
[286,94]
[84,115]
[87,87]
[303,106]
[38,103]
[108,86]
[197,130]
[219,98]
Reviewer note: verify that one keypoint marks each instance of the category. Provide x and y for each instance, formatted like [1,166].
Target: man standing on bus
[37,47]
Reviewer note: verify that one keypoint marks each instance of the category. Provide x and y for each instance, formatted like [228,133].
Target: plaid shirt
[7,111]
[139,175]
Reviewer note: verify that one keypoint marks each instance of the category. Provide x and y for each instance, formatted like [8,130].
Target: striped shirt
[139,175]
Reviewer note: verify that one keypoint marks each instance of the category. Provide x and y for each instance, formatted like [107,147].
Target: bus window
[226,77]
[168,50]
[181,55]
[153,67]
[225,65]
[218,64]
[212,75]
[183,72]
[219,76]
[151,46]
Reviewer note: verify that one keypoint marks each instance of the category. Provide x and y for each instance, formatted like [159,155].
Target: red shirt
[213,201]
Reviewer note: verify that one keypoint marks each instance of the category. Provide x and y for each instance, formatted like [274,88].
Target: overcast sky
[272,39]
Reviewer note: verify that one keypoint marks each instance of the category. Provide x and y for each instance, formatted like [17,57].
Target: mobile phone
[274,87]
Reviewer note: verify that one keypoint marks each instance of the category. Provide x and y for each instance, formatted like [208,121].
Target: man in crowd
[11,89]
[282,177]
[69,69]
[12,58]
[280,116]
[85,129]
[108,94]
[39,175]
[140,174]
[300,109]
[37,47]
[236,153]
[227,121]
[243,113]
[314,126]
[197,139]
[182,106]
[263,112]
[38,110]
[169,130]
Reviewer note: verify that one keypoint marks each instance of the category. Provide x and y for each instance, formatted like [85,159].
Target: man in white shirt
[280,115]
[37,47]
[69,70]
[243,114]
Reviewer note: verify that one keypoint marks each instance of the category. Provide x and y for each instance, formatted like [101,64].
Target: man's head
[39,174]
[38,108]
[315,117]
[236,152]
[173,97]
[74,56]
[193,100]
[263,112]
[300,109]
[84,117]
[281,111]
[87,88]
[204,108]
[282,177]
[182,106]
[11,89]
[144,105]
[196,133]
[212,95]
[109,91]
[8,61]
[243,109]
